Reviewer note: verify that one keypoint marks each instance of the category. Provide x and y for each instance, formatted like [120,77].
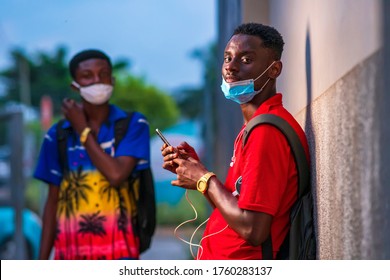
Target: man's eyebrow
[246,52]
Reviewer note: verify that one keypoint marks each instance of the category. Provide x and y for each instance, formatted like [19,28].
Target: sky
[156,36]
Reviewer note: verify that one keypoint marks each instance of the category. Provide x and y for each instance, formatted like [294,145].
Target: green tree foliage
[46,75]
[191,101]
[134,94]
[208,57]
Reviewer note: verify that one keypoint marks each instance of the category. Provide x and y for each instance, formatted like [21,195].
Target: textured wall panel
[342,128]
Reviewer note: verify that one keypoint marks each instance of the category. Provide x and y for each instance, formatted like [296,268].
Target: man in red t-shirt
[261,185]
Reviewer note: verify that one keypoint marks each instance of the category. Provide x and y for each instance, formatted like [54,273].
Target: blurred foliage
[208,57]
[36,192]
[191,101]
[134,94]
[48,75]
[183,211]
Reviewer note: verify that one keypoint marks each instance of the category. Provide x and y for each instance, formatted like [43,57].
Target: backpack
[300,242]
[144,219]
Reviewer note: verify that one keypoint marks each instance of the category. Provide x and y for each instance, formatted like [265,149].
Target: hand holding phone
[176,150]
[162,137]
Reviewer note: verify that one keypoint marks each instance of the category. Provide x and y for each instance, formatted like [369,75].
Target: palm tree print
[71,193]
[93,225]
[110,192]
[121,210]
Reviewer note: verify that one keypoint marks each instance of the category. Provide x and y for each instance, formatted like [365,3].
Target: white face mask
[96,94]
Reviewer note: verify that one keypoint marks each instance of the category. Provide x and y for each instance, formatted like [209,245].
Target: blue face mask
[242,91]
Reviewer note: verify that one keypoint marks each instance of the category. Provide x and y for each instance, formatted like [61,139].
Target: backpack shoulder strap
[62,137]
[294,142]
[299,157]
[120,128]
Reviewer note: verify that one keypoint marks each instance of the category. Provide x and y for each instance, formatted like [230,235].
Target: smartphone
[162,137]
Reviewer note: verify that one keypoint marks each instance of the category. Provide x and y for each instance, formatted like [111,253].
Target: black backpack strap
[299,157]
[292,139]
[120,128]
[62,137]
[266,249]
[144,223]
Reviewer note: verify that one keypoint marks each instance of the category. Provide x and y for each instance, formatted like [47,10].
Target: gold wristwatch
[84,135]
[203,183]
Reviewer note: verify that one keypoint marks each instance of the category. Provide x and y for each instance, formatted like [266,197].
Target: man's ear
[276,69]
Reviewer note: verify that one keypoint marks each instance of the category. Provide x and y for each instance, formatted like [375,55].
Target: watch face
[201,186]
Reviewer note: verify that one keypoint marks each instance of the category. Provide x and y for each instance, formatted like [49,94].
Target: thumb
[175,183]
[185,145]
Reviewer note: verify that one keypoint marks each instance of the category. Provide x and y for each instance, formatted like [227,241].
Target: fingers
[175,183]
[178,161]
[185,146]
[187,151]
[170,166]
[67,102]
[65,106]
[170,157]
[165,149]
[169,153]
[183,183]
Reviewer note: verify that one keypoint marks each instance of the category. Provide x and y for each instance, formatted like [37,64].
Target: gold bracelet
[84,135]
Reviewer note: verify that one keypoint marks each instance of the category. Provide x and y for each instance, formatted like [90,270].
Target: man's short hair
[270,37]
[85,55]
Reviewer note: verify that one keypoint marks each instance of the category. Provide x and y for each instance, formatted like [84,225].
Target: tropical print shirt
[93,217]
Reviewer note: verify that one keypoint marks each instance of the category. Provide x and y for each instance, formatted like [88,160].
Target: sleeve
[136,142]
[266,170]
[48,168]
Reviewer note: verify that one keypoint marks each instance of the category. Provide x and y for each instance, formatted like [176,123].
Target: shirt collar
[269,104]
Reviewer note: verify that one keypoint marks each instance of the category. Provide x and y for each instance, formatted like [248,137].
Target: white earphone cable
[200,250]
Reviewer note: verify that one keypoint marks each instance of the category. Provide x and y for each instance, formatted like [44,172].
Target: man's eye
[246,60]
[227,59]
[85,75]
[105,74]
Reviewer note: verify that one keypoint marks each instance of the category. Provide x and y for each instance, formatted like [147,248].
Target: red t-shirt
[269,184]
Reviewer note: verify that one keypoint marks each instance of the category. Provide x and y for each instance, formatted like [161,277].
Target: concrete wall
[332,82]
[341,34]
[343,137]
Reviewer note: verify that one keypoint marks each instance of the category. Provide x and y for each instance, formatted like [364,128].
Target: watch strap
[84,135]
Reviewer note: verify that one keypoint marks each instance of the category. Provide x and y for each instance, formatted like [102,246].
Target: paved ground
[166,246]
